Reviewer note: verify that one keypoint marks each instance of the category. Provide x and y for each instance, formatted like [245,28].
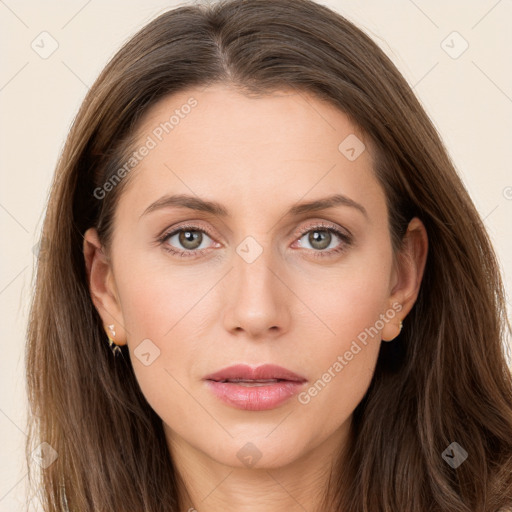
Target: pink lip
[265,371]
[255,398]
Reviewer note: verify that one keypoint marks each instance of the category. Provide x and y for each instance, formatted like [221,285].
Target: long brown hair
[444,379]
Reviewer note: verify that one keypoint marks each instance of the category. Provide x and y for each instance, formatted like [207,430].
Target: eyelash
[346,240]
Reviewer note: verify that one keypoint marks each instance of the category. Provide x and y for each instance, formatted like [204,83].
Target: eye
[185,241]
[323,236]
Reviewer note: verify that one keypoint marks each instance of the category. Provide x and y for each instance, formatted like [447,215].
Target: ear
[102,286]
[407,275]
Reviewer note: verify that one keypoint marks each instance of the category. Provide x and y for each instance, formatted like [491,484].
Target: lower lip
[255,398]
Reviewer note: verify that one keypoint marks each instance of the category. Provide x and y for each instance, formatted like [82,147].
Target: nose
[258,298]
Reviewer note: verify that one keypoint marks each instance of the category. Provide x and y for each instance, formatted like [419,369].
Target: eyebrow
[197,204]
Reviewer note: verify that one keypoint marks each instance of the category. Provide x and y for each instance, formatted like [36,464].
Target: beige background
[468,97]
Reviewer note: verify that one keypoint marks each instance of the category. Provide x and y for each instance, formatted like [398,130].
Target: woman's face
[258,274]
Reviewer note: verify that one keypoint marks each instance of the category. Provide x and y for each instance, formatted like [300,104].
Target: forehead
[219,143]
[225,118]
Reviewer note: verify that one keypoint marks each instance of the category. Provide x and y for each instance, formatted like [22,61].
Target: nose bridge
[258,303]
[254,266]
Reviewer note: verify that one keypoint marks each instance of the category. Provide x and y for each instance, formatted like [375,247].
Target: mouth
[255,389]
[252,383]
[260,374]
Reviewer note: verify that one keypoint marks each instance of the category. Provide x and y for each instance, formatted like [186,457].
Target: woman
[265,287]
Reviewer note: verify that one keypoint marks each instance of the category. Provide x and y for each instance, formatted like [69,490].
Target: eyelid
[311,225]
[327,225]
[166,233]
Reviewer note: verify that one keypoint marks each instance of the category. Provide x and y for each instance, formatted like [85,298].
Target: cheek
[341,363]
[160,316]
[349,298]
[165,315]
[343,358]
[155,298]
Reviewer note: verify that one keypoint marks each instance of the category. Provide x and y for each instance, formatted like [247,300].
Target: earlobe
[101,284]
[392,330]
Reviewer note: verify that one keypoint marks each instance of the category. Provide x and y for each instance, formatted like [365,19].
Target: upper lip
[263,372]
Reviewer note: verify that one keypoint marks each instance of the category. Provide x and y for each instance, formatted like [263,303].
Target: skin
[257,157]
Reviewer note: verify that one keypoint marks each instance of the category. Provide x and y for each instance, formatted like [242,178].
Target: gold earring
[116,349]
